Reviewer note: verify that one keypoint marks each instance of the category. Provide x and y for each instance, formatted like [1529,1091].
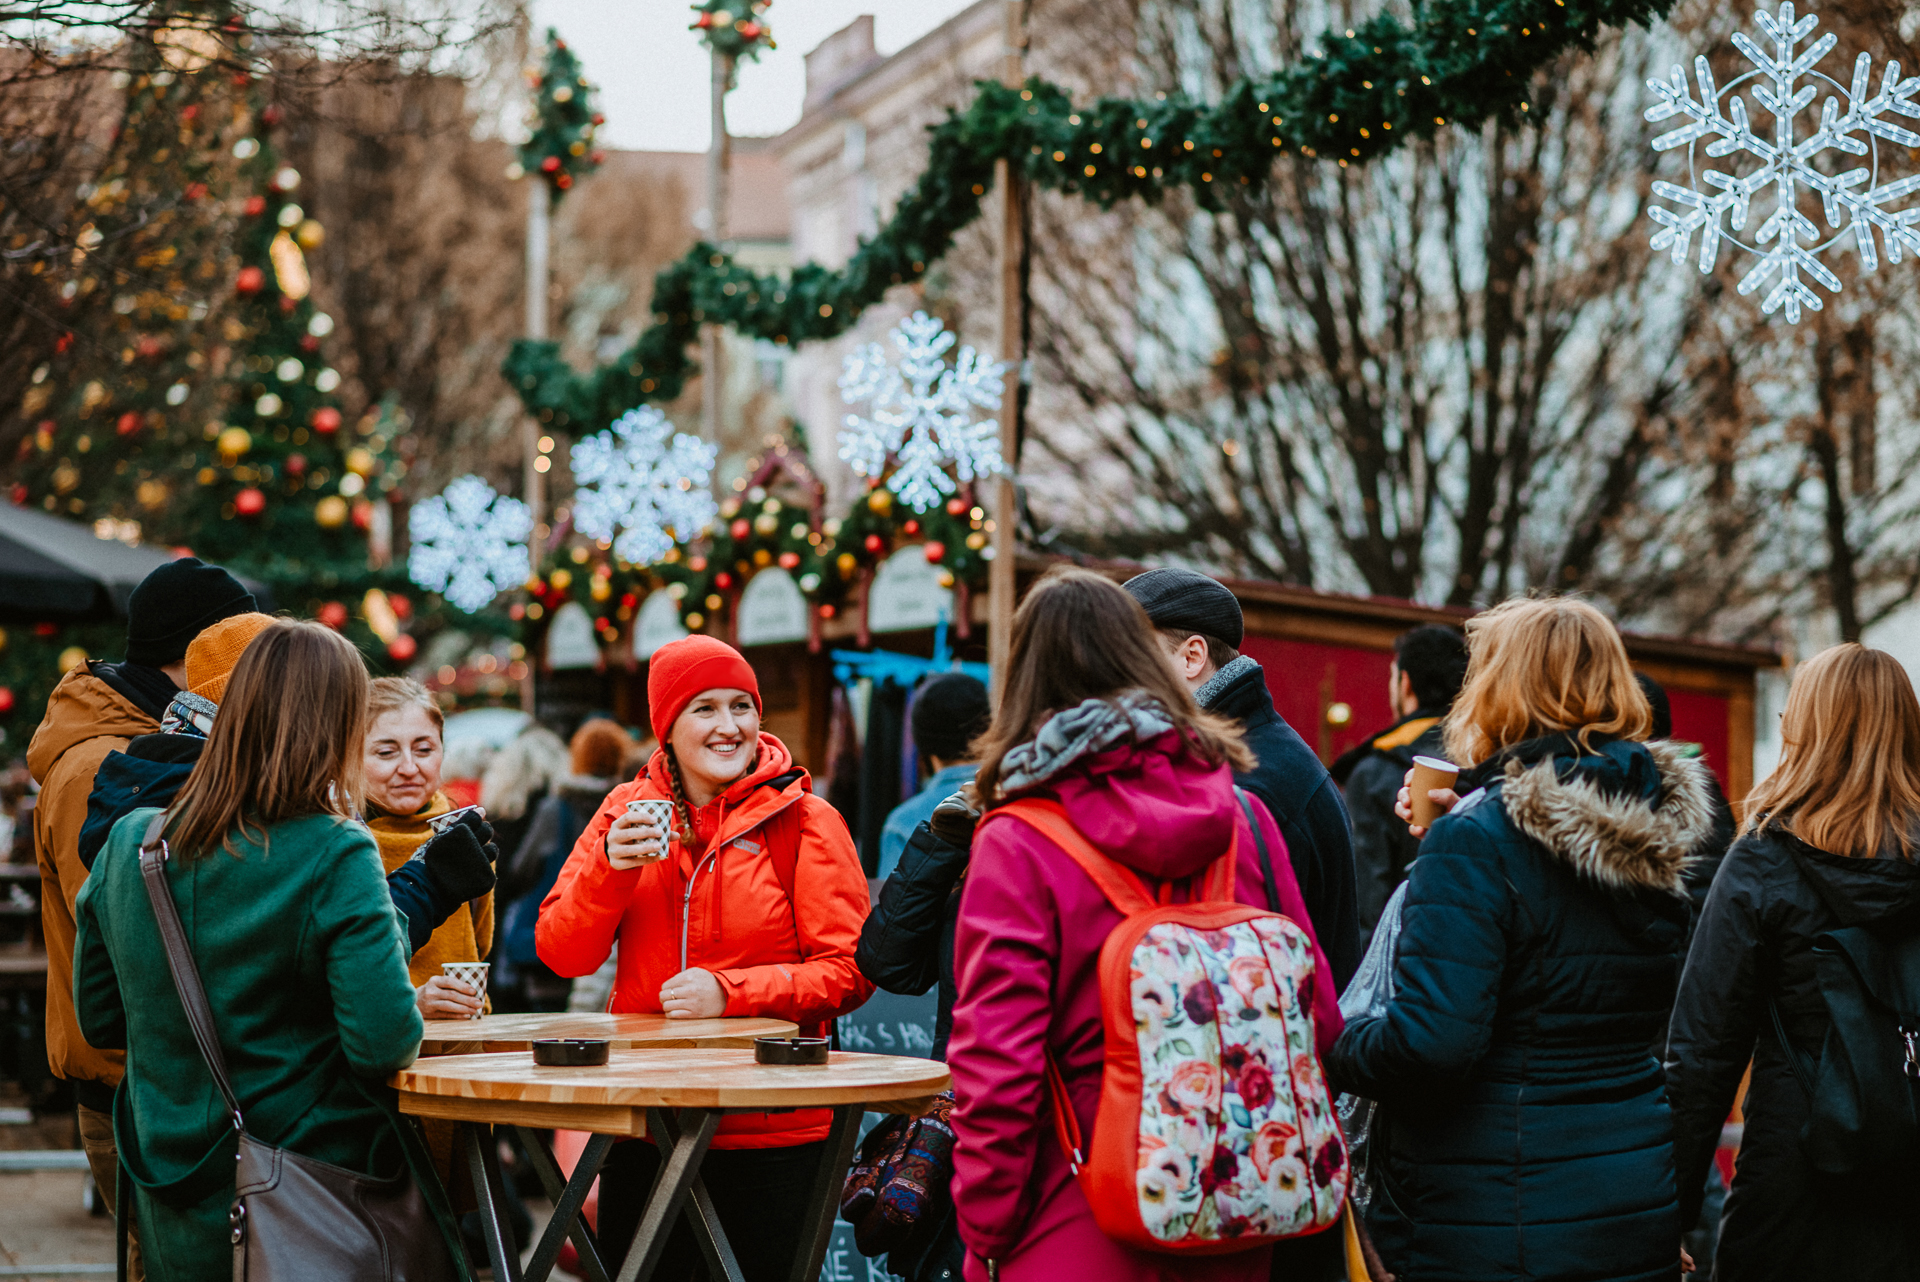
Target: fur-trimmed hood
[1620,835]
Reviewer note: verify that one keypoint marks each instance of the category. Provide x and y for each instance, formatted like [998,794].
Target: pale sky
[653,72]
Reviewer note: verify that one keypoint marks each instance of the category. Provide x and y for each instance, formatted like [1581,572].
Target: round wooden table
[519,1032]
[677,1096]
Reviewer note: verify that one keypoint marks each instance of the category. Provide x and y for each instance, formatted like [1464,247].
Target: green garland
[733,27]
[559,150]
[1370,89]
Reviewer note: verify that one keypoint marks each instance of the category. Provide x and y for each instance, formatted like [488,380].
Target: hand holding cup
[1426,794]
[640,835]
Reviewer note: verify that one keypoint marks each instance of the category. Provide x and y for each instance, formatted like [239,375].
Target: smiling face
[403,760]
[715,739]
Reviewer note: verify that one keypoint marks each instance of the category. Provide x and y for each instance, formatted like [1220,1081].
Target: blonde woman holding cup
[1527,1132]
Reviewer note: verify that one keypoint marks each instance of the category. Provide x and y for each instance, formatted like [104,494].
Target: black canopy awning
[54,570]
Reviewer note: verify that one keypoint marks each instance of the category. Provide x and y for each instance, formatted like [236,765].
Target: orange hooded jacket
[723,905]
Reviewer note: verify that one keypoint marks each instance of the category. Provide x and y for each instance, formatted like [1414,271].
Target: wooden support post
[534,487]
[1002,586]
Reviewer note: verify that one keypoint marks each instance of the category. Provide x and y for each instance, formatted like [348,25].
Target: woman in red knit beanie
[749,903]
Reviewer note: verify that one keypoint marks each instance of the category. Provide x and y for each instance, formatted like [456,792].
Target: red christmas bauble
[296,465]
[308,343]
[326,420]
[697,564]
[20,494]
[827,611]
[129,423]
[151,346]
[749,30]
[250,280]
[874,543]
[956,507]
[6,701]
[402,607]
[704,22]
[255,206]
[333,615]
[789,560]
[363,515]
[723,580]
[599,119]
[911,527]
[936,551]
[287,303]
[740,528]
[46,629]
[270,116]
[564,181]
[250,502]
[551,165]
[402,648]
[598,157]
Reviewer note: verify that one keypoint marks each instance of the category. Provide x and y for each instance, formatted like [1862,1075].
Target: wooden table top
[613,1098]
[519,1032]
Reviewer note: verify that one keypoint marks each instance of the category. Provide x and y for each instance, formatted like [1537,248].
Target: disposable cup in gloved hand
[954,819]
[474,819]
[458,864]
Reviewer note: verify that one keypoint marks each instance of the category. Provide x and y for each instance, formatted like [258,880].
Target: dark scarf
[148,689]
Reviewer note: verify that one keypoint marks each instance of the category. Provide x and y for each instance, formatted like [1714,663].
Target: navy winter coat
[1525,1121]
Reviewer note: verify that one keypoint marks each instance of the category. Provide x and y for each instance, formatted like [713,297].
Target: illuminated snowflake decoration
[921,413]
[469,543]
[642,485]
[1854,201]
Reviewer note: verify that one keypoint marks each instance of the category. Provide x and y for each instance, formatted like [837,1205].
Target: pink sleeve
[1006,946]
[1249,884]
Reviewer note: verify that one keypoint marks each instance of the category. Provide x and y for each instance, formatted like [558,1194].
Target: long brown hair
[1543,665]
[1079,636]
[1849,772]
[287,741]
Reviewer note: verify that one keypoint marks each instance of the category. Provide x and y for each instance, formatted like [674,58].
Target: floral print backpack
[1215,1131]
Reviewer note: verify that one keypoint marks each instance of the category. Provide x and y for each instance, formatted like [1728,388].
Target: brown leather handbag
[292,1216]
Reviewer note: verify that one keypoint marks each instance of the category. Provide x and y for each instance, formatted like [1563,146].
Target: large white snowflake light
[469,543]
[921,413]
[1854,201]
[642,485]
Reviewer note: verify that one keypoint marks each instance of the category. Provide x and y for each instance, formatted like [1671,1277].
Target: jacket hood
[1859,891]
[83,707]
[1132,786]
[1626,816]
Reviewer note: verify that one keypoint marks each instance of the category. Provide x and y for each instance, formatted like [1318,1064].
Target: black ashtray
[789,1050]
[570,1052]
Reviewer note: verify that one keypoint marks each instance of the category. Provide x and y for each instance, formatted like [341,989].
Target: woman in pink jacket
[1092,717]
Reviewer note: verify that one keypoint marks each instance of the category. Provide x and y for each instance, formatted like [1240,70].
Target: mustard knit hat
[212,656]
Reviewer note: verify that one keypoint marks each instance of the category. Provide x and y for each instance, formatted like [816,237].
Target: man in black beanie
[1200,631]
[96,709]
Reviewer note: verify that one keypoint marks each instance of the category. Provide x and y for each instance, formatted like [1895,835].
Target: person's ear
[1406,690]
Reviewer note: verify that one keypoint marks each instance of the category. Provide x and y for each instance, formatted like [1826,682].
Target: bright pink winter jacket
[1027,960]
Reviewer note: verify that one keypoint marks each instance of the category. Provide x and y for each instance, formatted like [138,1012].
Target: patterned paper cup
[474,973]
[655,811]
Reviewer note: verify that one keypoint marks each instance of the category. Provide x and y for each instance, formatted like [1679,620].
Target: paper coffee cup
[474,973]
[444,823]
[1429,773]
[654,811]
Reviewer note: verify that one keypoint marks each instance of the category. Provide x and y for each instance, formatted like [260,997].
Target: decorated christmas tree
[560,145]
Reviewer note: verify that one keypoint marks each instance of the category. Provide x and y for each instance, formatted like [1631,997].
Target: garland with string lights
[560,148]
[733,28]
[1368,90]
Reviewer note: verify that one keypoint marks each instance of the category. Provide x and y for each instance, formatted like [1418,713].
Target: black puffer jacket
[906,945]
[1304,801]
[1773,897]
[1526,1125]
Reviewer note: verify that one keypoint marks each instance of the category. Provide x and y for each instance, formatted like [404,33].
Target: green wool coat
[305,965]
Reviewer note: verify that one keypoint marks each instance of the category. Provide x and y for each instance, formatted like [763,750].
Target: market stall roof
[56,570]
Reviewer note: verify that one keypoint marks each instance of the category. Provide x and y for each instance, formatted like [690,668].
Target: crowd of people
[1567,973]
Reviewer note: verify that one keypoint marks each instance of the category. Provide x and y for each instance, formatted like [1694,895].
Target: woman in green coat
[303,958]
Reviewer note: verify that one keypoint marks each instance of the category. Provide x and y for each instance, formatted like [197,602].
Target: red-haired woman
[751,905]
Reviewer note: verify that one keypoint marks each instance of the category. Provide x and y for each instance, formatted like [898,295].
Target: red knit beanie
[681,669]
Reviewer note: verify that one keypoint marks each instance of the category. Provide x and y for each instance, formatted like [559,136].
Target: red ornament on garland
[723,580]
[564,181]
[129,423]
[749,30]
[911,527]
[20,494]
[827,611]
[551,165]
[362,515]
[936,551]
[6,701]
[740,528]
[308,343]
[402,607]
[296,465]
[251,280]
[874,543]
[326,420]
[46,629]
[255,206]
[270,116]
[402,648]
[789,560]
[956,507]
[333,615]
[250,502]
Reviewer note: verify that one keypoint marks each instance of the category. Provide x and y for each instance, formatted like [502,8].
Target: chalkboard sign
[887,1025]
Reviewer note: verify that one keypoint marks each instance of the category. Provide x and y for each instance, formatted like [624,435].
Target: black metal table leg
[678,1171]
[823,1203]
[705,1220]
[568,1195]
[483,1167]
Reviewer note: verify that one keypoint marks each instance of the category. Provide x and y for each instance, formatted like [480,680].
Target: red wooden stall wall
[1308,677]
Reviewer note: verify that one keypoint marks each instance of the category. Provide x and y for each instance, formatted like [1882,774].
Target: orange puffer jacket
[722,904]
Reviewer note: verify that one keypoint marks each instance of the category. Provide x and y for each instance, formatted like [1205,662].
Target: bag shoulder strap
[186,976]
[1795,1062]
[1121,885]
[1260,844]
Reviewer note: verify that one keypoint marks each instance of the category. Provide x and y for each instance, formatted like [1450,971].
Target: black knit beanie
[950,712]
[1187,600]
[174,604]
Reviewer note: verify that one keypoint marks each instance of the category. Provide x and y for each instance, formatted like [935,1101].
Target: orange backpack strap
[1122,887]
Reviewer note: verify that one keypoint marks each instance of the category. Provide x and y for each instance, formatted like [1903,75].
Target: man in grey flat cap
[1200,630]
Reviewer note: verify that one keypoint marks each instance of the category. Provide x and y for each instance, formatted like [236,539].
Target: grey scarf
[1216,685]
[1092,727]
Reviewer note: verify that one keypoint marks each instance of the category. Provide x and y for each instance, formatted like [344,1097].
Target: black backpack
[1865,1091]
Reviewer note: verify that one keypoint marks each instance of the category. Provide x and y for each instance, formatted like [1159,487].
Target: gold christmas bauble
[765,524]
[330,512]
[234,441]
[360,462]
[71,657]
[880,502]
[310,234]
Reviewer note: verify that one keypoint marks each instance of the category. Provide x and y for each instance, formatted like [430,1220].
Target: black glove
[457,864]
[483,832]
[954,819]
